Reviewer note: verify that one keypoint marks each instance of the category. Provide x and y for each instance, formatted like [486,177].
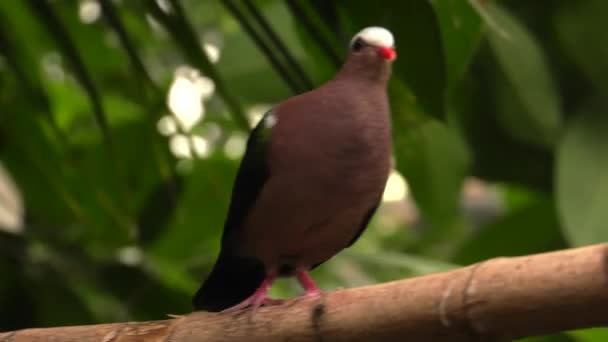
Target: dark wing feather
[250,179]
[235,277]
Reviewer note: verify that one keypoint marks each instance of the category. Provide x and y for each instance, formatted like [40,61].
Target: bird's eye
[357,44]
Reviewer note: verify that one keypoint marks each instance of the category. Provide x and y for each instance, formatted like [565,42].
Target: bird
[312,176]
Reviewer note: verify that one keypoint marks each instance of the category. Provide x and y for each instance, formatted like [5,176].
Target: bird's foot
[257,299]
[310,288]
[254,302]
[311,294]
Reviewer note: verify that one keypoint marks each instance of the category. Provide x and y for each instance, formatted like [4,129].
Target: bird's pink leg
[258,298]
[310,288]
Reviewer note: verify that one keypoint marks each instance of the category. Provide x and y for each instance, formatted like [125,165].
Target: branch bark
[499,299]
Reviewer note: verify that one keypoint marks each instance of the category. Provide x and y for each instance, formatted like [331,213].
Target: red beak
[387,53]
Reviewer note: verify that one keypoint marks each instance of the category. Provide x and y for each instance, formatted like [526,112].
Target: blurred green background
[122,123]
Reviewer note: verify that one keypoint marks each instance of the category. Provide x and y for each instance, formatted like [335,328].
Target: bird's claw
[310,294]
[254,302]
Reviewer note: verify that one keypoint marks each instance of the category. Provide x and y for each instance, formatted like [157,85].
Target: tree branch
[499,299]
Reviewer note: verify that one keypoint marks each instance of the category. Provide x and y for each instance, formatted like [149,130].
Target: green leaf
[590,335]
[434,160]
[460,28]
[581,27]
[525,68]
[582,178]
[548,338]
[497,156]
[196,229]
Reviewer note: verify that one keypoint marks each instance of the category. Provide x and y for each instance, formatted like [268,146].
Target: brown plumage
[313,174]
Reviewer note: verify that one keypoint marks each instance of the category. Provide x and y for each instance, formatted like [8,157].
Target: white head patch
[376,36]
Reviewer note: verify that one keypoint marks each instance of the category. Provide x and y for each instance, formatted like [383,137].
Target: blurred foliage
[119,222]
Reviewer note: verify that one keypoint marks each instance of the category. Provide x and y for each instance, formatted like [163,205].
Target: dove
[311,178]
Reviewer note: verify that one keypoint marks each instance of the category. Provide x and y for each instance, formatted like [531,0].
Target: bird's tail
[232,280]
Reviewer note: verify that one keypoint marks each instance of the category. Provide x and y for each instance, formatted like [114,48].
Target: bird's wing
[235,277]
[251,176]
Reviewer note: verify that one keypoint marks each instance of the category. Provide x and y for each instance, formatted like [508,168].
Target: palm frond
[304,80]
[315,32]
[262,45]
[114,21]
[177,25]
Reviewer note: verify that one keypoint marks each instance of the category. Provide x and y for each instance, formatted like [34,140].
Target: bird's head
[374,42]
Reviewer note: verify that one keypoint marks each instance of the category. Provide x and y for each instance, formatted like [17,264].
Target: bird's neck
[374,73]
